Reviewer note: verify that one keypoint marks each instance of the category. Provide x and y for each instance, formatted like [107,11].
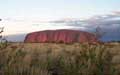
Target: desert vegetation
[59,59]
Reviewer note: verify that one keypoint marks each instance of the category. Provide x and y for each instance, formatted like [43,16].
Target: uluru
[60,36]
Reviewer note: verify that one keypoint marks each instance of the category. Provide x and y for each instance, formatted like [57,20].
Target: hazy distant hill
[16,38]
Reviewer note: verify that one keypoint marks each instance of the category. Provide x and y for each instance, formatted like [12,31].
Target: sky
[54,9]
[24,16]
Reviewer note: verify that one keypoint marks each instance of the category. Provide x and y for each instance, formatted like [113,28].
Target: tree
[1,30]
[3,41]
[99,32]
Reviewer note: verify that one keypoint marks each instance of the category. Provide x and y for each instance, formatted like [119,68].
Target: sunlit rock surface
[60,36]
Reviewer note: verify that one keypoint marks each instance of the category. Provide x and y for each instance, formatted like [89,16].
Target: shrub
[85,59]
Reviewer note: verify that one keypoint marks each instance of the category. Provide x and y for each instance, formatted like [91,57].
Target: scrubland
[59,59]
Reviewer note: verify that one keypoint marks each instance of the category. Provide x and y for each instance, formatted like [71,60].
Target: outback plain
[59,59]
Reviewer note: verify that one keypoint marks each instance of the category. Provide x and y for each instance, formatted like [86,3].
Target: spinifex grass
[79,59]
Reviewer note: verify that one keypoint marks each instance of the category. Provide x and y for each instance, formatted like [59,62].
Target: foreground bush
[85,60]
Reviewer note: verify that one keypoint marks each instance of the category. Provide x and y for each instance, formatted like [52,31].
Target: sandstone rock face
[60,36]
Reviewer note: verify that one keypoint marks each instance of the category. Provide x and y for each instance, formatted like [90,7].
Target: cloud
[116,12]
[109,23]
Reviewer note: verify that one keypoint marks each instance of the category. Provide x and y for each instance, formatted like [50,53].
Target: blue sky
[55,9]
[23,16]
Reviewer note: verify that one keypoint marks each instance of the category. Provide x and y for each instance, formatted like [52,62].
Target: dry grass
[60,59]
